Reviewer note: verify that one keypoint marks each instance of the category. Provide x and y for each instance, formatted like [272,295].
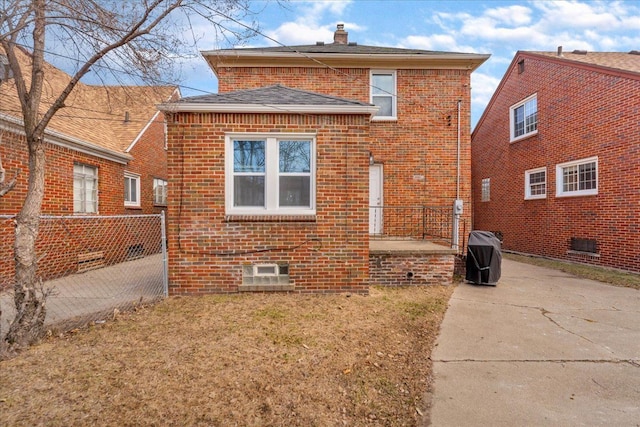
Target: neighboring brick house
[105,154]
[556,157]
[368,125]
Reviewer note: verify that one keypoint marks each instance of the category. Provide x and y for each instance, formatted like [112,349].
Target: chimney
[559,50]
[340,36]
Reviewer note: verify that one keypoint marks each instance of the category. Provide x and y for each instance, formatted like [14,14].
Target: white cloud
[482,88]
[307,29]
[442,42]
[510,15]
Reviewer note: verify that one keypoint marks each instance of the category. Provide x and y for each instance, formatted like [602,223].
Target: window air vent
[584,245]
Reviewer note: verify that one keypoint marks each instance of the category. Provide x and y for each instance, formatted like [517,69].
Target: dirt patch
[248,360]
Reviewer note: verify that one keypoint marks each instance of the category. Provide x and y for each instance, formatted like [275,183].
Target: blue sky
[499,28]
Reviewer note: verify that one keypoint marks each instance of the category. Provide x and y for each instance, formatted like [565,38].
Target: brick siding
[150,162]
[419,150]
[581,113]
[411,269]
[327,253]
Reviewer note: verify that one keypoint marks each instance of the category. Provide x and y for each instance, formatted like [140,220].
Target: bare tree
[100,36]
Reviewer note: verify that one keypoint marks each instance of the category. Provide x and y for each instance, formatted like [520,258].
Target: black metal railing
[415,222]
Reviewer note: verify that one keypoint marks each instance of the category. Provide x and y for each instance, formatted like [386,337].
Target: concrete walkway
[542,348]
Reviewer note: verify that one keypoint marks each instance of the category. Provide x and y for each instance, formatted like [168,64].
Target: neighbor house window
[486,190]
[383,93]
[578,178]
[535,183]
[524,118]
[159,191]
[85,189]
[131,189]
[272,174]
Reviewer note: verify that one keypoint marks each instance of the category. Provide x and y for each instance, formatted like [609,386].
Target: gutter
[62,140]
[268,108]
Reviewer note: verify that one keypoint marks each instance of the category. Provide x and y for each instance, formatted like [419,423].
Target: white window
[131,189]
[578,178]
[486,190]
[85,189]
[272,174]
[535,183]
[383,94]
[524,118]
[159,191]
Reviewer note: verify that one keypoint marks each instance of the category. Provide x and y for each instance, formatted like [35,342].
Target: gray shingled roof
[351,48]
[271,95]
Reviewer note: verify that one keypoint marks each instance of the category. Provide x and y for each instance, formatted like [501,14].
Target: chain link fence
[96,266]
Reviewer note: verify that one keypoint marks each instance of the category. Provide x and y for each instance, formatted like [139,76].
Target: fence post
[165,260]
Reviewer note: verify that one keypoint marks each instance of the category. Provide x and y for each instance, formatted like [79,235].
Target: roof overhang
[16,125]
[255,58]
[267,108]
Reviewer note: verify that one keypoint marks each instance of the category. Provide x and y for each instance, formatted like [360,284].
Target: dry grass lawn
[245,360]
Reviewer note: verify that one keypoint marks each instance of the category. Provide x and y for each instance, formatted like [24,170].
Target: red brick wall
[581,113]
[419,150]
[58,196]
[149,161]
[207,251]
[411,269]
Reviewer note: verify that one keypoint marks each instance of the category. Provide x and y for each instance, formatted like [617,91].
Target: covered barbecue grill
[484,258]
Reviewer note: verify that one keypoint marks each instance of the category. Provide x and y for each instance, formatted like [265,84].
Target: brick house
[556,156]
[105,152]
[279,179]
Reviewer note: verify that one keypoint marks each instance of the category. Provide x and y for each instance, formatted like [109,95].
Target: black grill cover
[484,259]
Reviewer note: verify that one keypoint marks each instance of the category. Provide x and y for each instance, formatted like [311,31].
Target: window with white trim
[485,190]
[85,188]
[272,174]
[523,120]
[577,178]
[159,191]
[131,189]
[535,184]
[383,94]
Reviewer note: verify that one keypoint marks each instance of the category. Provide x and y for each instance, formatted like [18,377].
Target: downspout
[458,154]
[457,203]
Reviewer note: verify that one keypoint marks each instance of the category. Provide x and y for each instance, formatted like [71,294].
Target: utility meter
[457,207]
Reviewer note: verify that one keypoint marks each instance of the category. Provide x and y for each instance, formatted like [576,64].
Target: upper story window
[535,183]
[131,189]
[270,174]
[383,94]
[85,189]
[524,118]
[159,191]
[486,190]
[578,178]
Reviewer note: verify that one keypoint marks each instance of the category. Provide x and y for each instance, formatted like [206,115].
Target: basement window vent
[265,270]
[265,277]
[584,245]
[135,251]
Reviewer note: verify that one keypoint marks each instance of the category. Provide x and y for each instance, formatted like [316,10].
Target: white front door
[375,199]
